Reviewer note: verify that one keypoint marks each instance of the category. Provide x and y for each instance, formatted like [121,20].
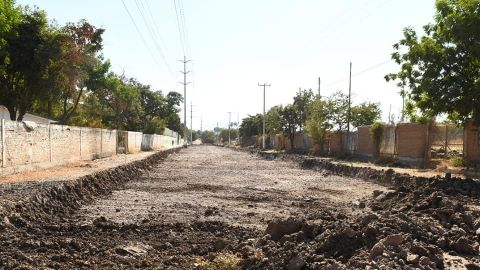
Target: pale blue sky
[237,44]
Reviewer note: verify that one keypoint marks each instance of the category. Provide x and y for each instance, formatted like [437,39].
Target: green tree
[251,125]
[272,120]
[320,121]
[441,67]
[302,100]
[80,44]
[289,120]
[338,103]
[365,113]
[25,60]
[207,136]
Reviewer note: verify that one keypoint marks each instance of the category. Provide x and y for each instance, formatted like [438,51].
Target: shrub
[376,131]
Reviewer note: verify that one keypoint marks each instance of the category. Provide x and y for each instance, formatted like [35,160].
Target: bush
[457,162]
[376,131]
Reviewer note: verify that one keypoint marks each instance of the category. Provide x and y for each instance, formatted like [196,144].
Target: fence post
[3,143]
[50,140]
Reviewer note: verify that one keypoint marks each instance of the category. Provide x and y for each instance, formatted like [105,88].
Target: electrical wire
[140,34]
[152,34]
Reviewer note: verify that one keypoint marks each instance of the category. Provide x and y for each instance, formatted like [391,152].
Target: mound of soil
[412,227]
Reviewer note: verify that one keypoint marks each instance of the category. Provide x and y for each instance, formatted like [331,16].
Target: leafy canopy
[441,68]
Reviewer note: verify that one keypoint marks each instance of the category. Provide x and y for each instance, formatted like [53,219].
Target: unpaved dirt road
[209,207]
[208,183]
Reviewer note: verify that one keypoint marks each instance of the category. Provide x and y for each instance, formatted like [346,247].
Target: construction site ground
[209,207]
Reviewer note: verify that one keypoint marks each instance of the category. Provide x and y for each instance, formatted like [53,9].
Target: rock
[368,218]
[478,231]
[424,261]
[376,193]
[412,258]
[472,266]
[463,246]
[278,228]
[296,263]
[376,250]
[393,240]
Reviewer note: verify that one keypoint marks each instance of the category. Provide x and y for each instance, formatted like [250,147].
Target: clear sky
[237,44]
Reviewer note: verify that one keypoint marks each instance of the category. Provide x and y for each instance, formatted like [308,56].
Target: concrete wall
[472,142]
[134,142]
[24,144]
[155,142]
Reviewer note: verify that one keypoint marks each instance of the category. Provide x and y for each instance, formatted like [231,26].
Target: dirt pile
[412,227]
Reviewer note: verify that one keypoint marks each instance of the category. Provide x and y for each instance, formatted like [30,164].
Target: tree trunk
[12,112]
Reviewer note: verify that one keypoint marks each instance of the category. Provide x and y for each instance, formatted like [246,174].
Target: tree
[441,67]
[80,44]
[338,103]
[319,123]
[251,125]
[272,120]
[302,100]
[289,120]
[24,61]
[207,136]
[365,114]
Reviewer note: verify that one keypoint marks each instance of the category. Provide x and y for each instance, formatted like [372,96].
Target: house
[4,114]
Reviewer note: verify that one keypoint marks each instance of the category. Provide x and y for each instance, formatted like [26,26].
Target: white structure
[4,114]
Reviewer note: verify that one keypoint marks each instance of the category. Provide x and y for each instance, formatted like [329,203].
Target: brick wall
[365,144]
[335,144]
[472,142]
[412,142]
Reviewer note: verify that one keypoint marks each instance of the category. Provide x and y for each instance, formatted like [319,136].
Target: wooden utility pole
[263,132]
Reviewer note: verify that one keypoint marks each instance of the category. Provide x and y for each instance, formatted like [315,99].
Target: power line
[182,43]
[152,34]
[140,34]
[361,72]
[184,27]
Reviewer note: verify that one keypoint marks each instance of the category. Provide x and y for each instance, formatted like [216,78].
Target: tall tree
[320,121]
[338,103]
[441,68]
[273,124]
[251,125]
[289,119]
[81,43]
[302,100]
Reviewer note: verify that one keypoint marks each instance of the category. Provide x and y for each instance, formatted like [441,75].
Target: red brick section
[472,142]
[365,145]
[336,144]
[412,141]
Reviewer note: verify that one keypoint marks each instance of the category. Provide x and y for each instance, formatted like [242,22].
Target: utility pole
[184,72]
[349,99]
[263,132]
[229,119]
[319,82]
